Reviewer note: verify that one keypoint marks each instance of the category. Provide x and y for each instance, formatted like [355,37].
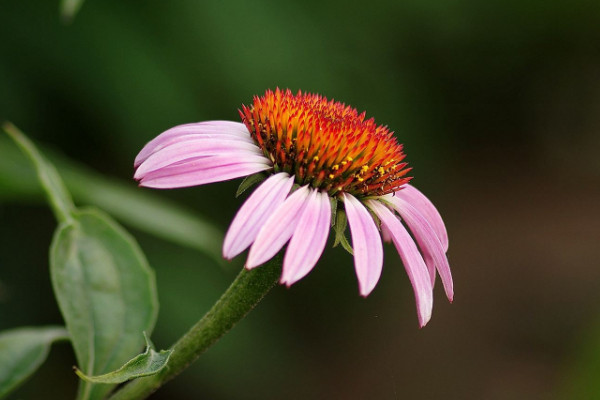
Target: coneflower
[325,165]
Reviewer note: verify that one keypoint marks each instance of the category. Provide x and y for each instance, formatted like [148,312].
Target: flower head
[325,162]
[326,144]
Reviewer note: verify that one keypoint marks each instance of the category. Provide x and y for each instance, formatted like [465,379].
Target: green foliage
[148,363]
[248,182]
[22,351]
[53,186]
[334,205]
[106,293]
[136,208]
[105,288]
[341,223]
[246,291]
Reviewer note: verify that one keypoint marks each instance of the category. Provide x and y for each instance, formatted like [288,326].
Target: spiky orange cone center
[326,144]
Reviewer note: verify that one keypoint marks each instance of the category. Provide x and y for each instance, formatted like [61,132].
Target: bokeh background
[497,103]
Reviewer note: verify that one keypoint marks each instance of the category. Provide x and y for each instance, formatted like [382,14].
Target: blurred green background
[497,103]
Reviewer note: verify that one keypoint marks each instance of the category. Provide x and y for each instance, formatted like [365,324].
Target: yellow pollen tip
[381,171]
[331,176]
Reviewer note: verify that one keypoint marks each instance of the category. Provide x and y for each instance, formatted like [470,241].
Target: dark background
[498,105]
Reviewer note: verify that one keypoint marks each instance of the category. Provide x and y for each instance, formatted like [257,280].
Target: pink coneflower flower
[326,164]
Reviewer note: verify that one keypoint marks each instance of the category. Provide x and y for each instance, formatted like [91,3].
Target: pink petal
[182,132]
[427,209]
[427,239]
[254,213]
[366,242]
[411,258]
[278,229]
[309,238]
[201,171]
[385,234]
[430,265]
[387,237]
[198,147]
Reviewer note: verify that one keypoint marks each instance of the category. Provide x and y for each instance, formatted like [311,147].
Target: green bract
[148,363]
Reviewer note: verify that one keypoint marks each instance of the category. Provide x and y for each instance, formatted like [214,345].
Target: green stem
[246,291]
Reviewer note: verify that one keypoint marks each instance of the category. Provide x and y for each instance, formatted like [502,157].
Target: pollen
[326,144]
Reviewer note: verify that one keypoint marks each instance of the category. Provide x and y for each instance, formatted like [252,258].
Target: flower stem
[246,291]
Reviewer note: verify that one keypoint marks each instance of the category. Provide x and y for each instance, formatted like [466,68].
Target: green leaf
[59,197]
[105,289]
[106,292]
[138,208]
[334,204]
[148,363]
[22,351]
[340,228]
[346,245]
[248,182]
[68,9]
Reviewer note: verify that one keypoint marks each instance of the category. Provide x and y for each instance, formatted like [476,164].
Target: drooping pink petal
[427,209]
[203,170]
[180,152]
[411,258]
[309,238]
[430,267]
[427,239]
[387,237]
[366,243]
[254,213]
[215,129]
[278,228]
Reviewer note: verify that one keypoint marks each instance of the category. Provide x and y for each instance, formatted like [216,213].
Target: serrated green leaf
[341,223]
[22,351]
[141,209]
[106,292]
[248,182]
[148,363]
[58,196]
[69,8]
